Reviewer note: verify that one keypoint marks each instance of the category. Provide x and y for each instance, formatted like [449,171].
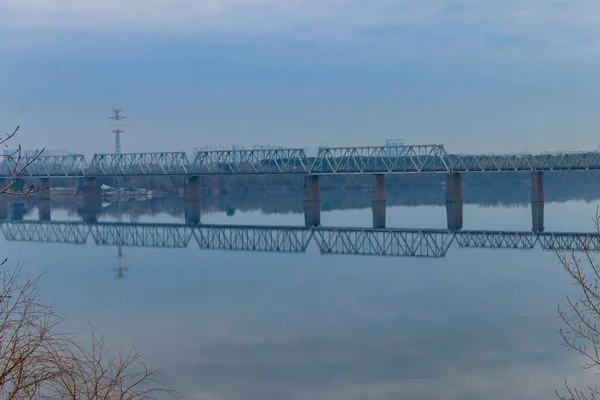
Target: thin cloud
[349,14]
[497,29]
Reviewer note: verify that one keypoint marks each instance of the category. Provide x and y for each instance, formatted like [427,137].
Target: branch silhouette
[581,315]
[37,359]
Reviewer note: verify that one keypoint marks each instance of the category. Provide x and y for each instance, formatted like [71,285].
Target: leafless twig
[14,165]
[581,316]
[39,362]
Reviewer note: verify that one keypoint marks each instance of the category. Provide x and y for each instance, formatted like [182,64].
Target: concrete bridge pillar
[89,190]
[192,212]
[312,188]
[537,201]
[44,210]
[193,189]
[44,189]
[311,201]
[192,197]
[454,201]
[379,188]
[378,202]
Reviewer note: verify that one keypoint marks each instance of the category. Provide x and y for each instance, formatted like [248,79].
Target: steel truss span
[328,161]
[428,243]
[279,161]
[43,167]
[138,164]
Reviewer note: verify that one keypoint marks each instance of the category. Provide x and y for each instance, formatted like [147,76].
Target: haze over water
[477,323]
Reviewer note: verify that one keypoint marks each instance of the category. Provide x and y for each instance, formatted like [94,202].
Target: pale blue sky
[475,75]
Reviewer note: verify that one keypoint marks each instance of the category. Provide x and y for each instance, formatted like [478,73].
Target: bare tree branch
[15,165]
[581,316]
[101,372]
[37,361]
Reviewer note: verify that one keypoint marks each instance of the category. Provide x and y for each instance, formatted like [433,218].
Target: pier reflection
[191,211]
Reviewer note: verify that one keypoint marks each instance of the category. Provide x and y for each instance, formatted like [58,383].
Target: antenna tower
[117,118]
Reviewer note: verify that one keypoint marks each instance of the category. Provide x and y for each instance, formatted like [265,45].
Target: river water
[240,325]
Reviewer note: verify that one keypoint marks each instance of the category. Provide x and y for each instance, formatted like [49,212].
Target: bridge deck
[328,161]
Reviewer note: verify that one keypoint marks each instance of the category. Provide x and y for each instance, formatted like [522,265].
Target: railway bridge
[375,161]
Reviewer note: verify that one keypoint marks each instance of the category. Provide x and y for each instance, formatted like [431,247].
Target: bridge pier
[311,200]
[537,202]
[44,189]
[192,199]
[89,190]
[454,201]
[44,210]
[378,202]
[193,188]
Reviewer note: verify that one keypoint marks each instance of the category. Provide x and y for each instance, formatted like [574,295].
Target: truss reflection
[429,243]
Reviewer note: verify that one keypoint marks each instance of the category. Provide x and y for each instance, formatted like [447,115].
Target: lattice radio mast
[117,118]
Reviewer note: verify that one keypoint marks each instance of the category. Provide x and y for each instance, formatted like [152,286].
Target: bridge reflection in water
[429,243]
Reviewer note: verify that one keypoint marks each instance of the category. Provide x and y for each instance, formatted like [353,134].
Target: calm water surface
[238,325]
